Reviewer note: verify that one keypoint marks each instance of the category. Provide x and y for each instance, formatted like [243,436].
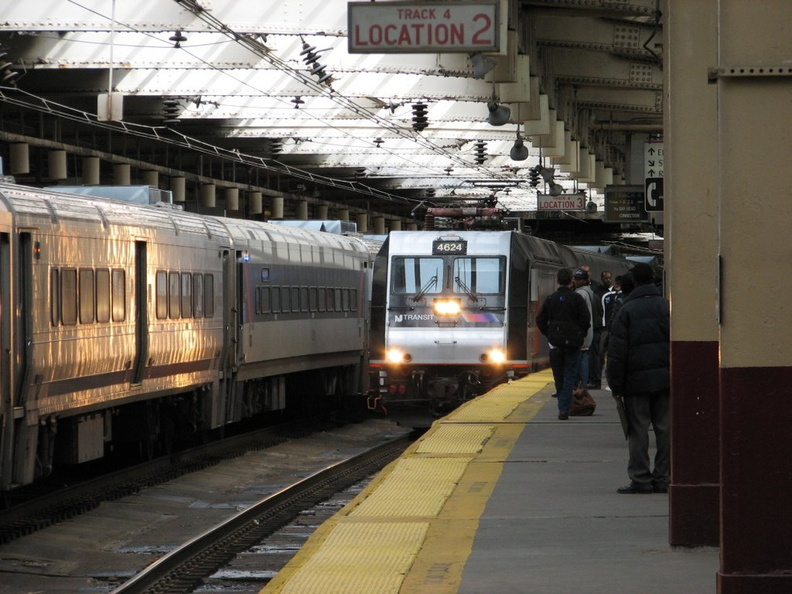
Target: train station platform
[501,497]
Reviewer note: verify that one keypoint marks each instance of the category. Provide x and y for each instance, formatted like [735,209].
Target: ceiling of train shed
[266,96]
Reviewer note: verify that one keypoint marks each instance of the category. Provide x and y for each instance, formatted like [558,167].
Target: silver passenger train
[125,324]
[453,314]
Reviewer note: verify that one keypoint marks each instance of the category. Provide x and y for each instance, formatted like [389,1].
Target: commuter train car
[124,325]
[453,314]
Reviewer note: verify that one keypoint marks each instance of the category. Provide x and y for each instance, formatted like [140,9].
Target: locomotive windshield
[470,275]
[478,275]
[417,275]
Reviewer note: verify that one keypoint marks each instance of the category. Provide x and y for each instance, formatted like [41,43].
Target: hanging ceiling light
[519,152]
[498,114]
[481,64]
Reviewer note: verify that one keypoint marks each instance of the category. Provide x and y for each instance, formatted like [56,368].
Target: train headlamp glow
[496,356]
[397,356]
[447,307]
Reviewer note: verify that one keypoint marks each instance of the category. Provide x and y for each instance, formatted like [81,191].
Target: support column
[178,186]
[91,169]
[255,203]
[755,136]
[362,222]
[277,207]
[691,216]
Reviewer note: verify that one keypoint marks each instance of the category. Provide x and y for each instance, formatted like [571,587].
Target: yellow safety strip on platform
[411,530]
[456,439]
[361,558]
[407,493]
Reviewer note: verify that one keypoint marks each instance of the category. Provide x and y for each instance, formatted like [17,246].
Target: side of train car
[136,325]
[453,314]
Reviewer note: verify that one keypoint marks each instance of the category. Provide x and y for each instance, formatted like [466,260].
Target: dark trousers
[595,360]
[565,366]
[643,410]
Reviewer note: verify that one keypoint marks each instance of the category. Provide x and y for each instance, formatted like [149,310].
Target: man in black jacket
[638,371]
[564,319]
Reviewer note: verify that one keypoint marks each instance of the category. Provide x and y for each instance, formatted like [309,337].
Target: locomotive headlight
[496,356]
[447,307]
[397,356]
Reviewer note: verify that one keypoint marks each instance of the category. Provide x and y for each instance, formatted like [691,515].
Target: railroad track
[184,568]
[68,501]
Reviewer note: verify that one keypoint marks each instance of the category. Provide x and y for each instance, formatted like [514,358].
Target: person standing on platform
[582,288]
[638,372]
[596,355]
[564,319]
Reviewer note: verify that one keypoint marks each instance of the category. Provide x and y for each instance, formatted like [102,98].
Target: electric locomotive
[453,315]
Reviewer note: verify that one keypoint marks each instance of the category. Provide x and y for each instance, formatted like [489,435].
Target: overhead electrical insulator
[419,119]
[534,175]
[480,152]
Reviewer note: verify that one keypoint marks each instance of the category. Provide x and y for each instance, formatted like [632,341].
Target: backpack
[583,403]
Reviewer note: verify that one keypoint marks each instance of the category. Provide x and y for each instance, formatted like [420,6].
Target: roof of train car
[32,204]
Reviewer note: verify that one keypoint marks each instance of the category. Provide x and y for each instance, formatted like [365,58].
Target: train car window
[174,297]
[266,305]
[303,298]
[330,296]
[479,275]
[198,295]
[102,295]
[55,296]
[276,299]
[322,302]
[186,295]
[345,299]
[162,295]
[86,296]
[417,275]
[313,298]
[69,296]
[354,298]
[338,302]
[119,294]
[285,296]
[295,299]
[209,296]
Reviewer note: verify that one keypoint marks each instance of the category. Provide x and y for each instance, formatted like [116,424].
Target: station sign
[423,27]
[654,171]
[561,202]
[625,204]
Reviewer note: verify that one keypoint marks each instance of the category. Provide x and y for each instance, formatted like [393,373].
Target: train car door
[141,311]
[7,409]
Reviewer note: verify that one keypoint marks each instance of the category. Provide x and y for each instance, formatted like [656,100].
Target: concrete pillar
[412,227]
[343,214]
[302,210]
[277,207]
[691,216]
[150,178]
[755,133]
[20,158]
[208,195]
[178,186]
[362,222]
[255,203]
[91,167]
[395,225]
[232,198]
[122,174]
[379,225]
[57,165]
[321,212]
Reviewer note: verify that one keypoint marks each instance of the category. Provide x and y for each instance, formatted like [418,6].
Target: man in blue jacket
[564,319]
[638,372]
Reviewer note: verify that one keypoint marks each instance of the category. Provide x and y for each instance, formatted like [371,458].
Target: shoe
[563,416]
[633,489]
[660,488]
[554,395]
